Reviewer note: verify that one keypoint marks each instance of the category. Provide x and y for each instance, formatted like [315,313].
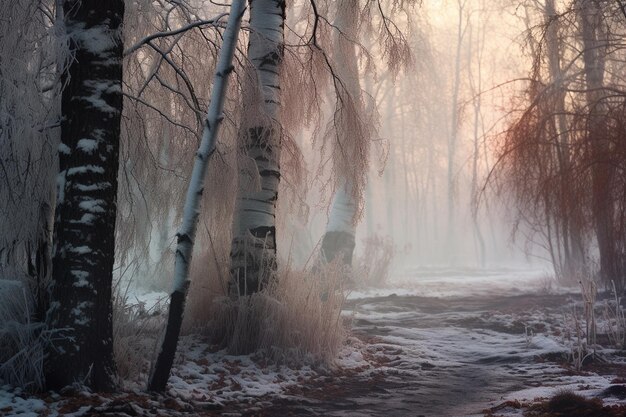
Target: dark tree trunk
[84,228]
[39,263]
[338,245]
[603,171]
[165,360]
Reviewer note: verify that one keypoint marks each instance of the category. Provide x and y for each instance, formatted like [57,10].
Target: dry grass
[569,404]
[22,340]
[615,320]
[581,327]
[209,280]
[295,320]
[136,331]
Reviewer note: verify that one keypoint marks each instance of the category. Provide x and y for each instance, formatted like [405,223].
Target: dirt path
[439,357]
[410,356]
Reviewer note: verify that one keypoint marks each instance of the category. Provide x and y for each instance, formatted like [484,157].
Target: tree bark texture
[253,250]
[84,228]
[339,240]
[186,235]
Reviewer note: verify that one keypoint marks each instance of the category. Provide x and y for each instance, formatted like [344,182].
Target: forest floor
[453,343]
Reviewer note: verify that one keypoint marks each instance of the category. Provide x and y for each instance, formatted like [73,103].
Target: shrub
[295,320]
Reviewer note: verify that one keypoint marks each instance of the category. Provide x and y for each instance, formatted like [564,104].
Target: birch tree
[339,239]
[84,226]
[186,235]
[253,250]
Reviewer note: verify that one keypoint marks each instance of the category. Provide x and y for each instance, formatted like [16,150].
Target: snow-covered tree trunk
[339,239]
[187,233]
[253,251]
[83,254]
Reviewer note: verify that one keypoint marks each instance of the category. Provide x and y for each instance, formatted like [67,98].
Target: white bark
[341,227]
[253,251]
[187,232]
[342,211]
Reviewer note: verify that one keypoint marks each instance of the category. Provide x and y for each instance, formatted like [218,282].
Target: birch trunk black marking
[253,250]
[339,239]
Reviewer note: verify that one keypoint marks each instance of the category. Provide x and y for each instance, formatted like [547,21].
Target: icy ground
[451,343]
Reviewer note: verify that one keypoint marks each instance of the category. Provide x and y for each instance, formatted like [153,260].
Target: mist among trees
[279,207]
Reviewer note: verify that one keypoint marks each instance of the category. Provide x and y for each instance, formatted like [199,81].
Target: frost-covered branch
[215,22]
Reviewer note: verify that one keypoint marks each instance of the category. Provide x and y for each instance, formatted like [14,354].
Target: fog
[289,207]
[438,124]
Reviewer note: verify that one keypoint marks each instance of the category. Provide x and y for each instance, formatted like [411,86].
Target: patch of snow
[585,385]
[87,218]
[81,250]
[97,88]
[227,378]
[447,282]
[87,145]
[14,404]
[79,315]
[97,39]
[81,278]
[92,205]
[64,149]
[92,187]
[151,301]
[85,169]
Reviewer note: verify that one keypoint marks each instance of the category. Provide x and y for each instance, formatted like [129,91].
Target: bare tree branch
[215,22]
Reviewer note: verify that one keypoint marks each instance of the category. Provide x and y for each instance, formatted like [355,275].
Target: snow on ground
[13,403]
[150,301]
[453,343]
[464,282]
[590,386]
[202,381]
[201,373]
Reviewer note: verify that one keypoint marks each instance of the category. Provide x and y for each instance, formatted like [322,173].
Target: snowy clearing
[408,355]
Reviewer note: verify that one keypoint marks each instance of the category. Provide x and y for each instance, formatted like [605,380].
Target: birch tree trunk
[339,239]
[253,250]
[84,227]
[187,233]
